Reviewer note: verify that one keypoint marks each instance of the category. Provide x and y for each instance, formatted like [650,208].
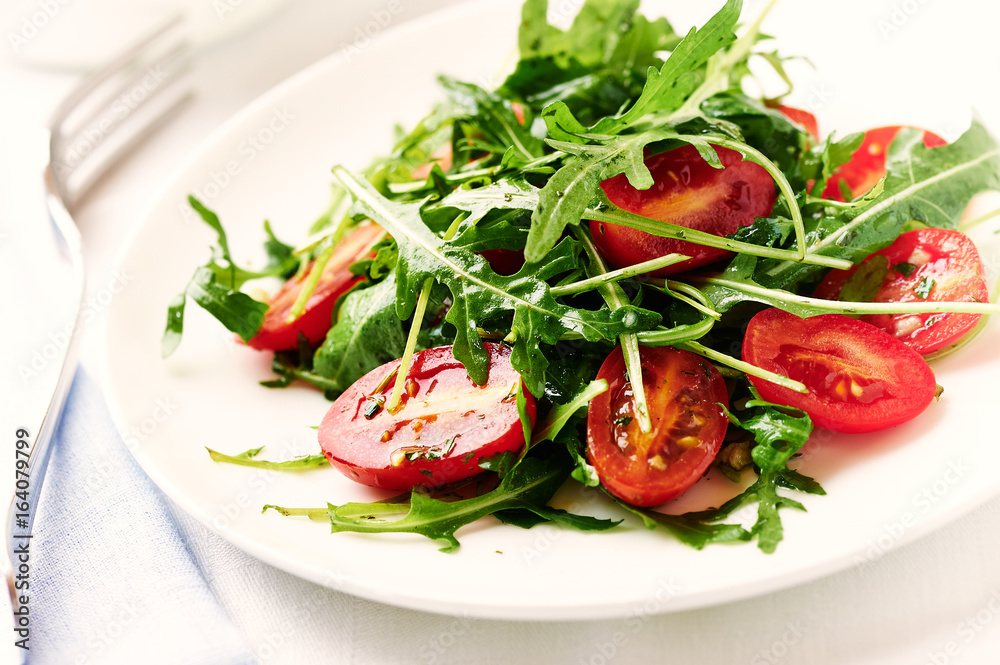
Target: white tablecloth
[934,601]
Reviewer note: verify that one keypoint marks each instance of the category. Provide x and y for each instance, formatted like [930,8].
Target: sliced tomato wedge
[277,333]
[801,117]
[445,425]
[684,393]
[688,192]
[860,378]
[867,165]
[926,265]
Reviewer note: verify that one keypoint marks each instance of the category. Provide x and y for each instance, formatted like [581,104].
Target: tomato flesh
[444,427]
[867,165]
[277,333]
[926,265]
[683,392]
[860,378]
[688,192]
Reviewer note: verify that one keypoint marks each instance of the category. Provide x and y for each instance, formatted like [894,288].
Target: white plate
[272,162]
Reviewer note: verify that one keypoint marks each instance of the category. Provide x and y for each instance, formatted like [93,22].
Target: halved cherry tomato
[684,393]
[276,333]
[444,427]
[689,192]
[860,378]
[804,118]
[926,265]
[867,165]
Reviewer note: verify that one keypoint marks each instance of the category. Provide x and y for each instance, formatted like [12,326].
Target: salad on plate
[620,268]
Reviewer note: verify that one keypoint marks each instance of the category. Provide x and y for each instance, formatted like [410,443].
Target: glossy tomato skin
[941,262]
[276,333]
[860,378]
[445,426]
[688,192]
[801,117]
[683,392]
[867,165]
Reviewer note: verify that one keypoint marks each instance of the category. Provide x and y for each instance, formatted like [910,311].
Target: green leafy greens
[519,169]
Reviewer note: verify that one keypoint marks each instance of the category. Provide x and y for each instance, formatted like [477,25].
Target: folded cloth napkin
[111,579]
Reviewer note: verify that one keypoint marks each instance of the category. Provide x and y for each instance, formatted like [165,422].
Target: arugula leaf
[235,310]
[863,285]
[528,486]
[248,458]
[478,293]
[279,254]
[212,220]
[779,434]
[667,89]
[693,529]
[215,286]
[495,120]
[930,185]
[560,414]
[509,193]
[174,329]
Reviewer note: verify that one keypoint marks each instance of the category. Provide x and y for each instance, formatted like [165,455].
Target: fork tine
[80,103]
[98,103]
[118,64]
[97,167]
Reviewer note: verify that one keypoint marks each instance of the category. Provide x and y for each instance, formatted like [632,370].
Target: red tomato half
[683,392]
[444,427]
[867,165]
[860,378]
[688,192]
[276,333]
[925,265]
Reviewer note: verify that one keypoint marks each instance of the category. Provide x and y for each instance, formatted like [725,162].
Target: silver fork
[105,117]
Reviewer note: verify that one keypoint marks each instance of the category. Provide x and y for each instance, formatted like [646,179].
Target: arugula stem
[248,459]
[613,276]
[967,226]
[309,287]
[454,180]
[418,319]
[675,335]
[616,299]
[315,514]
[779,178]
[745,367]
[846,307]
[690,295]
[560,415]
[411,344]
[667,230]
